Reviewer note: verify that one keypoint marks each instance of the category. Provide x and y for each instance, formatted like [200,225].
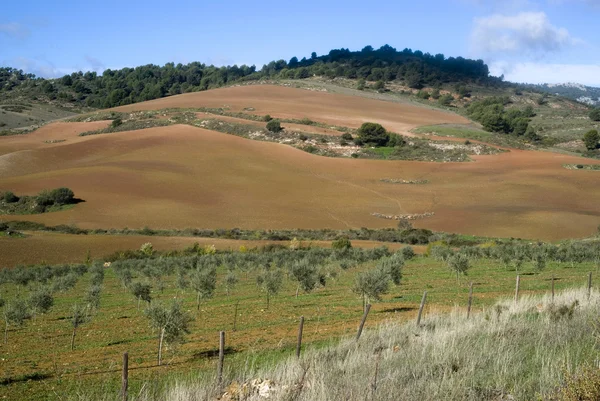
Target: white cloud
[39,67]
[14,30]
[524,34]
[539,73]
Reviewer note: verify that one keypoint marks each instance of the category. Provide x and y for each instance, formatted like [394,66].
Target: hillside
[529,117]
[178,174]
[583,94]
[131,85]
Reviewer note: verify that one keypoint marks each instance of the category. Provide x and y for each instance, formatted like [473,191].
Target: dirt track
[181,176]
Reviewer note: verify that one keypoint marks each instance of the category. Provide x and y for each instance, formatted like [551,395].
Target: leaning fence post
[299,345]
[517,288]
[421,308]
[125,376]
[221,357]
[589,284]
[362,322]
[470,300]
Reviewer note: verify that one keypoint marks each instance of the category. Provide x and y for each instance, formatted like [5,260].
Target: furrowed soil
[181,176]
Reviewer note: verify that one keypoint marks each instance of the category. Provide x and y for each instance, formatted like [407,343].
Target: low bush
[274,126]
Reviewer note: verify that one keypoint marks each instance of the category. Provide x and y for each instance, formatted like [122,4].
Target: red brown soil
[181,176]
[53,248]
[309,129]
[282,102]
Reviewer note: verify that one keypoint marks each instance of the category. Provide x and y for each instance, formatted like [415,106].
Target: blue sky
[526,40]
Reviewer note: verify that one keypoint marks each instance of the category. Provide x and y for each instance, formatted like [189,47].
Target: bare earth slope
[181,176]
[282,102]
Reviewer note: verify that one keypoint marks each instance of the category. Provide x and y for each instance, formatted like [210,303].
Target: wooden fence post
[470,300]
[125,376]
[299,344]
[517,288]
[362,322]
[589,284]
[421,308]
[221,357]
[553,288]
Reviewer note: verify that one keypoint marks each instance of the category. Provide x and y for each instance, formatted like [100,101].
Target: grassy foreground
[38,364]
[534,349]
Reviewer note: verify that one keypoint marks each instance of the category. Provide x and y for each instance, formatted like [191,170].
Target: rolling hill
[179,176]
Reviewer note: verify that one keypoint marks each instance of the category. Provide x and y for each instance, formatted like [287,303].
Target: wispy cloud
[15,30]
[95,64]
[527,34]
[38,66]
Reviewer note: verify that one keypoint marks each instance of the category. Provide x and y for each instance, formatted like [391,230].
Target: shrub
[446,100]
[9,197]
[396,140]
[595,114]
[341,243]
[303,137]
[591,139]
[408,253]
[58,196]
[116,122]
[267,118]
[373,134]
[423,94]
[379,85]
[274,126]
[347,136]
[62,196]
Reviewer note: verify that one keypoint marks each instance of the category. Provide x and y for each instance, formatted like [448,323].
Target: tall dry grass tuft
[512,351]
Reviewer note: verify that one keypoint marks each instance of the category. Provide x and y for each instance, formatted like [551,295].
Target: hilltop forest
[131,85]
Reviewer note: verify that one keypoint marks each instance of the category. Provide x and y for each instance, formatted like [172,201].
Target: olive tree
[204,281]
[231,281]
[40,301]
[141,292]
[270,282]
[372,284]
[172,323]
[15,313]
[306,275]
[393,266]
[79,316]
[459,263]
